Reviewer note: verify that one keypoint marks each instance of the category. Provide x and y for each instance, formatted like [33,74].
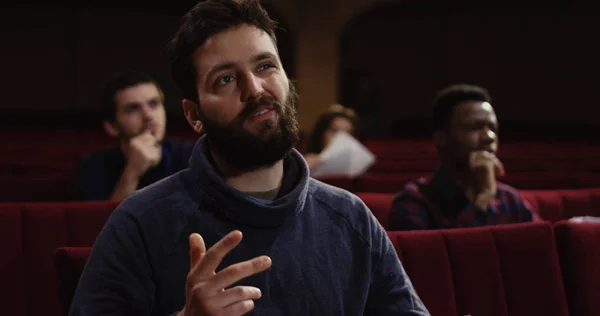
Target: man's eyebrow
[219,67]
[263,56]
[131,105]
[228,65]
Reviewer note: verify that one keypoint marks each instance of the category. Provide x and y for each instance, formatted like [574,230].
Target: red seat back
[579,252]
[32,233]
[497,270]
[69,263]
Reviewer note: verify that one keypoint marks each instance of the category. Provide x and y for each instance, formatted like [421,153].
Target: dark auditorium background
[385,59]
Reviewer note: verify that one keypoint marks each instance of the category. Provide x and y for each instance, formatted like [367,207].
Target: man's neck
[259,180]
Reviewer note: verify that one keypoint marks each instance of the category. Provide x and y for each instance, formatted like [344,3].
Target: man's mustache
[254,104]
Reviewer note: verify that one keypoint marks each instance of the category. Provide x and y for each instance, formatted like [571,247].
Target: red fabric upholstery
[12,273]
[49,175]
[69,263]
[579,252]
[53,186]
[385,182]
[552,205]
[380,205]
[497,270]
[556,205]
[32,232]
[426,262]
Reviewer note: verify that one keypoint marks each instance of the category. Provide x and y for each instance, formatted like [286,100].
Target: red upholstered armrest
[69,263]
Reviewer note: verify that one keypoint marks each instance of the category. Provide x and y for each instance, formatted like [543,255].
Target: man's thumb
[197,249]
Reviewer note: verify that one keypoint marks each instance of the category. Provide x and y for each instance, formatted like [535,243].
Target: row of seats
[58,154]
[506,270]
[59,186]
[34,168]
[502,270]
[551,205]
[394,182]
[520,269]
[31,232]
[59,143]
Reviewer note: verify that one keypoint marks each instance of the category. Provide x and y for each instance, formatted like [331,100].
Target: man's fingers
[499,166]
[239,308]
[235,295]
[215,254]
[239,271]
[145,138]
[197,249]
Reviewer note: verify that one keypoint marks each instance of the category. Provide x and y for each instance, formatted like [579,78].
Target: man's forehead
[138,93]
[472,107]
[234,45]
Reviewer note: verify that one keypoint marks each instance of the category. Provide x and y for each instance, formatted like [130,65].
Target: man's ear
[440,138]
[190,110]
[111,129]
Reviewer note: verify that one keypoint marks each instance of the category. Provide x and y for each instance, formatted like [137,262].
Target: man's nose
[252,88]
[488,135]
[146,112]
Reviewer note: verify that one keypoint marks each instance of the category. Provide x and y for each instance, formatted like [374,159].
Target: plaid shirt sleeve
[410,210]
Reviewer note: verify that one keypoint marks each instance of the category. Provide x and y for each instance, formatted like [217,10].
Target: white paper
[585,219]
[344,157]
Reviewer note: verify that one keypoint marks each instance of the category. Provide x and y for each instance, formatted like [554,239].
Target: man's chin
[263,132]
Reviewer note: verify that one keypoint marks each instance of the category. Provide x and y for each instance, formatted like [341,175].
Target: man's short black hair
[118,82]
[448,98]
[204,20]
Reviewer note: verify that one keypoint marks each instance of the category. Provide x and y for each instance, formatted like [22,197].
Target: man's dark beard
[246,151]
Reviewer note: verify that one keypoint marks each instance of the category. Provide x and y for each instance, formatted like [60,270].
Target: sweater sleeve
[391,291]
[117,278]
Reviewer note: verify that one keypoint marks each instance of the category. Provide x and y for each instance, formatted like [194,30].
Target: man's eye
[265,67]
[224,80]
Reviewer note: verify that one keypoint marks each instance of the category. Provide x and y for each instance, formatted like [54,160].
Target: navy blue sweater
[99,173]
[330,255]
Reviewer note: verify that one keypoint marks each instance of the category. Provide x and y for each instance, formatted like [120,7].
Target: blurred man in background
[133,112]
[463,192]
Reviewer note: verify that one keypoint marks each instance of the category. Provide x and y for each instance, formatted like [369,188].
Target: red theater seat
[380,205]
[579,252]
[13,291]
[508,270]
[29,234]
[39,187]
[551,205]
[385,182]
[496,270]
[69,263]
[556,205]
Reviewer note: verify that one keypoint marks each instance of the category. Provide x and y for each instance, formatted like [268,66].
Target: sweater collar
[239,207]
